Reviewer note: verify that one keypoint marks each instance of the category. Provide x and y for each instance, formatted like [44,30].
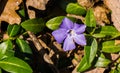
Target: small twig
[39,46]
[77,17]
[45,55]
[75,69]
[45,46]
[111,64]
[35,41]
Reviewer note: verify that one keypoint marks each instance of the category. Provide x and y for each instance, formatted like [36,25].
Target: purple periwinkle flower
[70,33]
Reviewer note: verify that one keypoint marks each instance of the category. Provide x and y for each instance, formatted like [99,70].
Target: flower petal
[67,24]
[68,44]
[59,35]
[79,28]
[80,39]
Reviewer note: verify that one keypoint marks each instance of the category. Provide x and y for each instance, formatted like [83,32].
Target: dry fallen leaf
[9,15]
[117,42]
[5,36]
[87,3]
[96,70]
[114,5]
[114,56]
[38,4]
[100,13]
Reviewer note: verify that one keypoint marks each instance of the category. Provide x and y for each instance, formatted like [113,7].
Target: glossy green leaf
[102,62]
[110,30]
[83,65]
[0,70]
[22,12]
[74,8]
[114,71]
[23,45]
[99,35]
[110,47]
[13,30]
[90,20]
[118,68]
[90,53]
[54,23]
[6,49]
[15,65]
[34,25]
[91,50]
[105,31]
[118,64]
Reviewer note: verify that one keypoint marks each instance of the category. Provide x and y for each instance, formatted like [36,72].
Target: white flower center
[72,33]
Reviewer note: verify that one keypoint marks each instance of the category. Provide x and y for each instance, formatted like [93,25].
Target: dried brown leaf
[117,42]
[114,56]
[114,5]
[87,3]
[5,36]
[38,4]
[9,15]
[101,13]
[96,70]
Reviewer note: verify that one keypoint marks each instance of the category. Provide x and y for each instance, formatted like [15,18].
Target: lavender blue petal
[59,35]
[68,44]
[79,28]
[66,23]
[80,39]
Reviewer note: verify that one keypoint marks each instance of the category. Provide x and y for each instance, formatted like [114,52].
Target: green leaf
[0,70]
[114,71]
[90,20]
[74,8]
[15,65]
[105,31]
[22,12]
[98,35]
[110,47]
[24,47]
[118,66]
[83,65]
[34,25]
[91,50]
[13,30]
[102,62]
[54,23]
[110,30]
[90,53]
[6,49]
